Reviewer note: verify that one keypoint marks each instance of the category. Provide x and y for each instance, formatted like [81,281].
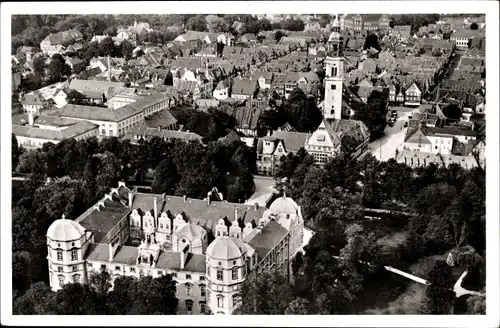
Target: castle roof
[226,248]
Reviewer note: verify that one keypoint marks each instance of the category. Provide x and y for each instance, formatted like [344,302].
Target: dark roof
[292,141]
[162,118]
[243,87]
[199,211]
[231,137]
[101,221]
[263,241]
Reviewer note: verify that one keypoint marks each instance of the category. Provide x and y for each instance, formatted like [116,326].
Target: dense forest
[342,269]
[71,176]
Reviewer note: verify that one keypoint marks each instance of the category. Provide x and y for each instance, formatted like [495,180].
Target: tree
[166,177]
[298,306]
[392,24]
[373,114]
[216,24]
[301,111]
[371,41]
[126,49]
[58,68]
[107,47]
[197,23]
[278,35]
[452,112]
[293,24]
[34,301]
[75,97]
[439,297]
[265,293]
[474,26]
[16,151]
[39,66]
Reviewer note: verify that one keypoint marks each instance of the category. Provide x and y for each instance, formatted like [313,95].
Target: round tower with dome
[67,242]
[227,265]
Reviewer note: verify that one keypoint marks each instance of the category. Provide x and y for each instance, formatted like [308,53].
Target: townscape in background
[288,92]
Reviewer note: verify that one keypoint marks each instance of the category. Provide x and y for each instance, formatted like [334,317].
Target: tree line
[129,296]
[81,172]
[344,259]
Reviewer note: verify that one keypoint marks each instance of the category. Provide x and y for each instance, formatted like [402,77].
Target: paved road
[263,188]
[385,148]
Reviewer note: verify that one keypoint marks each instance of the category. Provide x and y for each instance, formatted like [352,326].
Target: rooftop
[263,241]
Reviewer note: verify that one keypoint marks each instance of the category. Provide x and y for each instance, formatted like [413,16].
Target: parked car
[406,124]
[394,113]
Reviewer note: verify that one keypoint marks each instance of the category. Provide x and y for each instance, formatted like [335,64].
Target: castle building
[209,246]
[336,135]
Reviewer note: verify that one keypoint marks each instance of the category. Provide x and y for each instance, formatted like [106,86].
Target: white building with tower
[336,134]
[208,246]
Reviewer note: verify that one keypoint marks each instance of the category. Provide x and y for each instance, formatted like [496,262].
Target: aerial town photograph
[264,164]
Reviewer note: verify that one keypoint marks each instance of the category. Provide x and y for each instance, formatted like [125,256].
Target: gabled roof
[67,132]
[243,87]
[32,99]
[292,141]
[142,130]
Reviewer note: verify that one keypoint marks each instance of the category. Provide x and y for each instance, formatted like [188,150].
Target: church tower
[334,74]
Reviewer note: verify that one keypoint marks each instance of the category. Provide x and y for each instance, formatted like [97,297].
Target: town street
[385,148]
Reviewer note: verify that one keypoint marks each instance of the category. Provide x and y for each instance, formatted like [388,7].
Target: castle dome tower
[227,269]
[67,242]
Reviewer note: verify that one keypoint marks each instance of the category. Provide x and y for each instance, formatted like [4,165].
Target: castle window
[161,225]
[74,255]
[208,271]
[202,290]
[189,306]
[189,287]
[188,276]
[202,307]
[59,269]
[333,87]
[103,266]
[167,237]
[220,301]
[59,256]
[76,278]
[75,268]
[202,278]
[219,274]
[117,268]
[234,273]
[236,299]
[132,269]
[61,280]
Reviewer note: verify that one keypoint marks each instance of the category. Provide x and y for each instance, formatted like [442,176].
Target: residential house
[244,89]
[248,38]
[463,37]
[413,95]
[436,140]
[402,32]
[60,39]
[32,102]
[334,137]
[222,90]
[203,80]
[270,149]
[16,78]
[226,38]
[246,115]
[263,78]
[76,64]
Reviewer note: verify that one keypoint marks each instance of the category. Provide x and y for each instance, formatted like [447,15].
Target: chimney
[184,198]
[256,206]
[130,199]
[208,199]
[155,209]
[236,214]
